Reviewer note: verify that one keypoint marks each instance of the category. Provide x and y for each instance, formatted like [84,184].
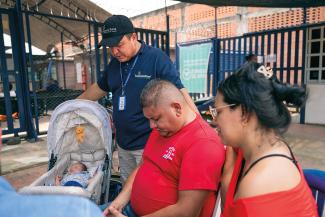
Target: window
[315,55]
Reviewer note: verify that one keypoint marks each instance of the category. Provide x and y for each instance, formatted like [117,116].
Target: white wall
[315,105]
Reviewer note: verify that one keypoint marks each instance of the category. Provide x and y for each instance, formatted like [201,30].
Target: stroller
[79,131]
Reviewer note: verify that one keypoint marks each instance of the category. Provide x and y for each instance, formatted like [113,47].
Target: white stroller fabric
[61,122]
[62,143]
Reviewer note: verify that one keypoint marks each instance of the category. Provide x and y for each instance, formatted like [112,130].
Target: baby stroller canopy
[71,114]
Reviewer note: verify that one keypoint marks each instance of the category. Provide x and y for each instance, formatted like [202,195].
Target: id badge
[121,103]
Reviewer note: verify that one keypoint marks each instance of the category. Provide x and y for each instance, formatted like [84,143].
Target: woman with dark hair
[261,177]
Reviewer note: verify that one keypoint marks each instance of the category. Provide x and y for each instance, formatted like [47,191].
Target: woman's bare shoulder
[268,176]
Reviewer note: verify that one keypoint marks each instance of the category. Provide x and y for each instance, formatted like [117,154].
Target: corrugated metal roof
[46,28]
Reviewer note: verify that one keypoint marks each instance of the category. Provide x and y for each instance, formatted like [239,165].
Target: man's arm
[227,171]
[124,197]
[189,100]
[189,204]
[93,93]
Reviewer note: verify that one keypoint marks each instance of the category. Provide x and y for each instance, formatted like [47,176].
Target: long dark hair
[262,95]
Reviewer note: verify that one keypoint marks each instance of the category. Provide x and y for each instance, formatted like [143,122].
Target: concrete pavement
[21,164]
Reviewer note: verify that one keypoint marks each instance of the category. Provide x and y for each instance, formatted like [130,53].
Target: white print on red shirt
[169,153]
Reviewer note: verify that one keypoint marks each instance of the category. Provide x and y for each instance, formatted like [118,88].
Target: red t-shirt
[191,159]
[296,202]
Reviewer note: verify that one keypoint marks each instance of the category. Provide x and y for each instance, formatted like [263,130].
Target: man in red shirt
[181,164]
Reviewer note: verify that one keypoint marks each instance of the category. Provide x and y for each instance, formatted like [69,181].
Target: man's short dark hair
[152,92]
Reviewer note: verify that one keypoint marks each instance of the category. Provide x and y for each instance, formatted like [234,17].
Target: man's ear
[135,36]
[177,108]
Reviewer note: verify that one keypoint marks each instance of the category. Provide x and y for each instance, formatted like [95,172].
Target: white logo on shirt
[139,75]
[169,153]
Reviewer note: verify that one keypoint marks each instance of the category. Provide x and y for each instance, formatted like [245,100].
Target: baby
[77,176]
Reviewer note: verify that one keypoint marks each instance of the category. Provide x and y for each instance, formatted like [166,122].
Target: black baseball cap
[115,27]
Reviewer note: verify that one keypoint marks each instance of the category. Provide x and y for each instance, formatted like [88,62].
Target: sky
[35,50]
[132,8]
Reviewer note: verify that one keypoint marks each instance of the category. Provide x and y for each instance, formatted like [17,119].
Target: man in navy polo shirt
[132,66]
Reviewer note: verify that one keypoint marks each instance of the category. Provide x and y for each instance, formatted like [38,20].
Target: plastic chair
[316,182]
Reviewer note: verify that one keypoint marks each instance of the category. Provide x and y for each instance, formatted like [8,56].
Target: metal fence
[283,50]
[41,83]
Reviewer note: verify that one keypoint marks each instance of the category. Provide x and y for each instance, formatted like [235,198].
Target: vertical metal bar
[141,37]
[5,79]
[63,64]
[228,57]
[32,71]
[217,72]
[262,47]
[163,46]
[216,22]
[19,94]
[21,55]
[281,56]
[256,46]
[269,48]
[289,57]
[97,58]
[251,45]
[209,69]
[157,40]
[177,59]
[304,43]
[239,53]
[90,55]
[245,49]
[152,38]
[167,36]
[296,57]
[234,59]
[275,51]
[223,62]
[268,44]
[303,83]
[147,37]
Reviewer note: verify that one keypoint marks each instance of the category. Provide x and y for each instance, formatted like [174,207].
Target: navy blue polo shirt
[132,128]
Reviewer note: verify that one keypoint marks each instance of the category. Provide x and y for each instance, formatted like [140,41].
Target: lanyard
[129,74]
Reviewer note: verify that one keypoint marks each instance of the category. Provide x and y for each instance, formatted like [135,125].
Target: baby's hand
[58,180]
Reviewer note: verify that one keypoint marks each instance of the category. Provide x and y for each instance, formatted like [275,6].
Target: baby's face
[75,168]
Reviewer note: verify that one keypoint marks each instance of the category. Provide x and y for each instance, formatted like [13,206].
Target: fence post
[303,77]
[32,71]
[63,62]
[216,64]
[167,35]
[23,74]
